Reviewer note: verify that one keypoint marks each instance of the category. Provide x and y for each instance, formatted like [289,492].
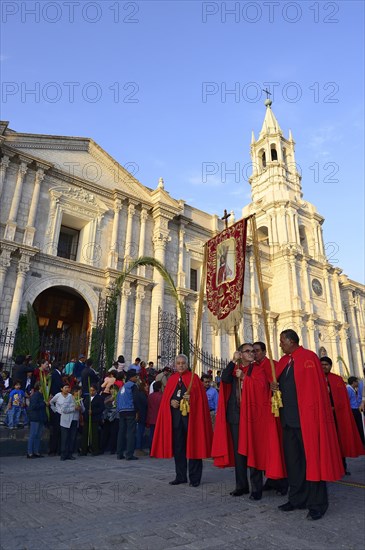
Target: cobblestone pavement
[104,503]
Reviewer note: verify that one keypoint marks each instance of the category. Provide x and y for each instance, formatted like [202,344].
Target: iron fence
[54,347]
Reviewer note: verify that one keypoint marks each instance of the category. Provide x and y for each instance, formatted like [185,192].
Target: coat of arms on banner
[225,275]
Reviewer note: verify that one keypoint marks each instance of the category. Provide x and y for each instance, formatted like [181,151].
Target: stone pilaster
[23,268]
[123,318]
[142,240]
[129,247]
[5,161]
[113,253]
[11,223]
[4,264]
[181,272]
[140,296]
[30,228]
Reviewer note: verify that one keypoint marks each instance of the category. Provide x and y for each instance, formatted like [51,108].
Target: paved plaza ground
[105,503]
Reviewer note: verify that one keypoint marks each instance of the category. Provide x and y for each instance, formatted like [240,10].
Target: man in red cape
[311,449]
[186,438]
[348,435]
[280,485]
[245,433]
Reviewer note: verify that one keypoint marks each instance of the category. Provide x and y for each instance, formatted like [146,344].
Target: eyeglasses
[248,351]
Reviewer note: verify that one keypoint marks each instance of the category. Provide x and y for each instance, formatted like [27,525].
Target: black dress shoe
[70,458]
[30,456]
[239,492]
[132,458]
[255,495]
[38,456]
[120,457]
[194,484]
[313,515]
[177,482]
[287,507]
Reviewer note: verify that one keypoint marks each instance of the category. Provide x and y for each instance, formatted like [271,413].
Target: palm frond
[152,262]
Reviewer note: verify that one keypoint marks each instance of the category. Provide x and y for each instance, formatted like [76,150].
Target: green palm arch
[152,262]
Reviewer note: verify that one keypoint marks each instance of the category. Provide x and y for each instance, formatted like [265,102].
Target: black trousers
[68,436]
[312,494]
[55,432]
[182,464]
[93,444]
[256,477]
[358,419]
[109,435]
[126,435]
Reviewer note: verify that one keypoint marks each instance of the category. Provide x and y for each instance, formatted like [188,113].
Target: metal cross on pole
[267,93]
[225,218]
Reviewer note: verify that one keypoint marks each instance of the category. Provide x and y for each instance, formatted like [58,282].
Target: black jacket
[97,407]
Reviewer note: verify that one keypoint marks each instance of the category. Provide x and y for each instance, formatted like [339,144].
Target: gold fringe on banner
[184,403]
[276,401]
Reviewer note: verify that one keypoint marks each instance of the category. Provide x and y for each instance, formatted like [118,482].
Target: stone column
[113,253]
[30,228]
[5,161]
[53,226]
[293,270]
[11,224]
[180,271]
[354,337]
[253,285]
[142,240]
[311,335]
[4,264]
[160,240]
[123,319]
[218,345]
[338,301]
[129,234]
[140,296]
[23,268]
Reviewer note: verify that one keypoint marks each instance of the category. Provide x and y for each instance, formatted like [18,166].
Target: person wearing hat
[127,407]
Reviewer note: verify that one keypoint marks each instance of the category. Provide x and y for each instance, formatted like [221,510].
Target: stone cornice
[25,157]
[69,265]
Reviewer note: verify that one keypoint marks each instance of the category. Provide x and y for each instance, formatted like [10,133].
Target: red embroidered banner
[225,275]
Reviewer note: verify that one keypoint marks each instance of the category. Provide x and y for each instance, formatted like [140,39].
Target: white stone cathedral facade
[71,217]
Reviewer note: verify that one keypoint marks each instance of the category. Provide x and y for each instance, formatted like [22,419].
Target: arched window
[263,235]
[303,239]
[274,153]
[262,157]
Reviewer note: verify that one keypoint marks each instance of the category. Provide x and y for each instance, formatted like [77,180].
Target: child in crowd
[15,406]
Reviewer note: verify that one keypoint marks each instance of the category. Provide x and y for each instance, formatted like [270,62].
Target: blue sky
[150,82]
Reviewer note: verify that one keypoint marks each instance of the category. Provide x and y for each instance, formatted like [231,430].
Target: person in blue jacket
[127,407]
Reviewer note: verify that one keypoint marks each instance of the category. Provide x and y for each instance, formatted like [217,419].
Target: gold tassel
[184,407]
[276,403]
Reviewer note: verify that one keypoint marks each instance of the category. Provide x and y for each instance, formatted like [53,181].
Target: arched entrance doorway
[64,323]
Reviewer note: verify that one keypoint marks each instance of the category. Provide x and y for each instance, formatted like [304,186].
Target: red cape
[348,435]
[317,423]
[199,438]
[275,465]
[259,433]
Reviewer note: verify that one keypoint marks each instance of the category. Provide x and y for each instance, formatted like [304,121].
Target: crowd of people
[135,410]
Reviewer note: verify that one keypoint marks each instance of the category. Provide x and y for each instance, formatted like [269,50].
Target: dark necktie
[289,365]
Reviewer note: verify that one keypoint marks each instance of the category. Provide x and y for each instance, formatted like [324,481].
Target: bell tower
[274,175]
